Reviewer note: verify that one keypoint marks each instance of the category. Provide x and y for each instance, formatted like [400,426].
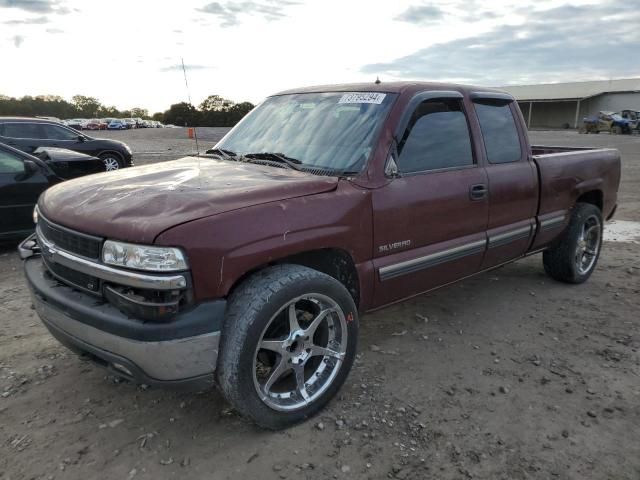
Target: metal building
[564,105]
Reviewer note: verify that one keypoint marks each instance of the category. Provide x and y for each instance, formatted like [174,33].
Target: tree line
[214,111]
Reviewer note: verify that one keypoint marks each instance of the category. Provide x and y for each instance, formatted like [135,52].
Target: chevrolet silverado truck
[248,267]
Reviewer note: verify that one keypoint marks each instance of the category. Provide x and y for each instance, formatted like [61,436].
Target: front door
[19,192]
[430,221]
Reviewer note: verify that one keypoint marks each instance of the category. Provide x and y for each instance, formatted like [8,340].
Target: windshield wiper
[226,154]
[293,163]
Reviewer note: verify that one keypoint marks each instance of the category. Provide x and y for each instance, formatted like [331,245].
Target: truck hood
[137,204]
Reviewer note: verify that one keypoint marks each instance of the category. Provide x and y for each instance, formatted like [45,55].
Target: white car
[117,125]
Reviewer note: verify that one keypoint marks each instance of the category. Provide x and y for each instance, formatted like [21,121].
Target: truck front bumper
[181,353]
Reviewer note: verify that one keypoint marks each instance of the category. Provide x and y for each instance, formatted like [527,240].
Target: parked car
[93,124]
[607,122]
[24,177]
[117,125]
[633,116]
[76,124]
[252,265]
[130,123]
[27,134]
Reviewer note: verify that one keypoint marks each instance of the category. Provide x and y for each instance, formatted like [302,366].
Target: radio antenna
[195,130]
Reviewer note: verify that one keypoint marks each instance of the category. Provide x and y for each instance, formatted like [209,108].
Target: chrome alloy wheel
[588,244]
[111,163]
[300,352]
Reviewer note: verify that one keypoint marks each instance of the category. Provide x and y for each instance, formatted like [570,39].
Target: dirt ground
[508,375]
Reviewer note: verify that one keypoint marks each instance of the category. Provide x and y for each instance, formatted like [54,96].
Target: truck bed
[566,173]
[547,150]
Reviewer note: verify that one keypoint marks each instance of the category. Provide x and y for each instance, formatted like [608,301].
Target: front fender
[223,248]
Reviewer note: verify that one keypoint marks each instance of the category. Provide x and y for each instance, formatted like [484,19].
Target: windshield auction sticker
[367,97]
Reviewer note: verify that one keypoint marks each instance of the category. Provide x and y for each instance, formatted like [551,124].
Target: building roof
[572,90]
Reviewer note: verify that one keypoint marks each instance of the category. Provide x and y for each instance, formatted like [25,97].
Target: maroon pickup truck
[249,266]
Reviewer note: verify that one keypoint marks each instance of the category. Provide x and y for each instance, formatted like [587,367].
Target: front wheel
[288,344]
[112,161]
[575,255]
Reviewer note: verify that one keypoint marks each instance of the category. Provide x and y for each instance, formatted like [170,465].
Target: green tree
[183,114]
[215,103]
[140,112]
[86,106]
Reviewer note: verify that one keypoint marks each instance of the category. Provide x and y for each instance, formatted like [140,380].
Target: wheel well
[118,154]
[334,262]
[594,197]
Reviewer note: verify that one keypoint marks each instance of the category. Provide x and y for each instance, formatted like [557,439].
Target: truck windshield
[328,131]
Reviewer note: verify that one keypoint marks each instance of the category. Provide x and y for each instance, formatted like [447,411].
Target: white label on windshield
[367,97]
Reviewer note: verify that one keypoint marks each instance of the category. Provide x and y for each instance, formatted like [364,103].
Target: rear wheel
[288,344]
[112,161]
[574,257]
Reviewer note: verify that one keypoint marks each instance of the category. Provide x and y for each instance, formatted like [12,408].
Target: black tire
[564,261]
[253,308]
[112,161]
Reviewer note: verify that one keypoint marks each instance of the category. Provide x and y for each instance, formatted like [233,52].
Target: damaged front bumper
[182,352]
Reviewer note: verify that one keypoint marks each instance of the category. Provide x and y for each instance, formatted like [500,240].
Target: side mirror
[30,168]
[391,165]
[81,138]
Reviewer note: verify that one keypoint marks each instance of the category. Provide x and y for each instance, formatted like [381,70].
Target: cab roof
[390,87]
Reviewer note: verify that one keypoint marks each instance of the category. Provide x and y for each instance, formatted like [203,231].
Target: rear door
[19,192]
[512,178]
[430,220]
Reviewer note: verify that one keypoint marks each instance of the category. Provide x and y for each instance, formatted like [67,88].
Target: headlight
[35,214]
[143,257]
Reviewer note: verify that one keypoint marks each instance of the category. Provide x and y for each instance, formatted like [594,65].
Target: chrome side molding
[431,260]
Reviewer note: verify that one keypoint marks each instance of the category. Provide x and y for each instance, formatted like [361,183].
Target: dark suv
[27,134]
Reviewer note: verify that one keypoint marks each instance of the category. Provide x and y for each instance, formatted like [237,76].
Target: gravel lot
[508,375]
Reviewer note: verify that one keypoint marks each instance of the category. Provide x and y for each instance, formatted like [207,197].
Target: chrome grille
[82,244]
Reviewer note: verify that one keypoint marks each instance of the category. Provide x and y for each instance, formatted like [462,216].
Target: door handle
[478,192]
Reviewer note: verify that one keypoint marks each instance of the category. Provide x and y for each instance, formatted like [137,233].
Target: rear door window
[23,130]
[501,140]
[437,137]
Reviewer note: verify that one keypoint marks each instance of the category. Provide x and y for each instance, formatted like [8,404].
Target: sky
[128,53]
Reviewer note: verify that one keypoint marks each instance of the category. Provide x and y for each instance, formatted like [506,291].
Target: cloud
[178,67]
[558,44]
[420,14]
[28,21]
[229,12]
[18,40]
[36,6]
[54,31]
